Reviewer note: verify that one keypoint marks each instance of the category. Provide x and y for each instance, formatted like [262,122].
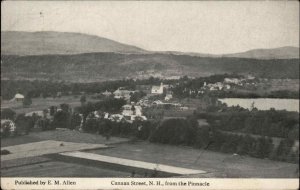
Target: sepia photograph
[142,94]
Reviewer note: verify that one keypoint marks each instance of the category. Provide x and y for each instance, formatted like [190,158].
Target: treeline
[249,94]
[59,117]
[110,105]
[182,87]
[37,88]
[271,123]
[186,132]
[185,84]
[46,89]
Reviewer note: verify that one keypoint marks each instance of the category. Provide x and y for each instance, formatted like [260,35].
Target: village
[183,111]
[153,96]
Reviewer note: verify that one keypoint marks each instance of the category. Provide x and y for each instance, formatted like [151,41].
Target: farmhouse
[158,89]
[106,93]
[168,97]
[231,80]
[216,86]
[116,117]
[126,94]
[131,112]
[19,97]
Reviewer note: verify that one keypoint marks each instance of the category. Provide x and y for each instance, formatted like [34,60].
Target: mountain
[287,52]
[49,43]
[84,58]
[43,43]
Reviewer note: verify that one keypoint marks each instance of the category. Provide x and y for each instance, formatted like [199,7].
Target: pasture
[214,163]
[39,104]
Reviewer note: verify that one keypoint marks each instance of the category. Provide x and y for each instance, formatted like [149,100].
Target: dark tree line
[271,123]
[34,89]
[46,89]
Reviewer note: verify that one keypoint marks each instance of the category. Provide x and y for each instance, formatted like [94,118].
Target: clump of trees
[7,113]
[136,96]
[284,153]
[27,101]
[111,105]
[175,131]
[240,144]
[271,123]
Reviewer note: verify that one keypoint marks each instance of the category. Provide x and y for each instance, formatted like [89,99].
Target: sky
[190,26]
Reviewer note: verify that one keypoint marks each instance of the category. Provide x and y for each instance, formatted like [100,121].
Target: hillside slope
[43,43]
[107,66]
[276,53]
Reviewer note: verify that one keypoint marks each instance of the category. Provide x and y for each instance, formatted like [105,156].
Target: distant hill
[276,53]
[83,58]
[43,43]
[49,43]
[287,52]
[110,66]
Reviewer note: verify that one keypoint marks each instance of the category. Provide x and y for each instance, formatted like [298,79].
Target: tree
[27,101]
[175,131]
[44,124]
[5,132]
[83,100]
[136,96]
[7,113]
[91,125]
[133,109]
[263,147]
[24,123]
[65,107]
[52,110]
[75,121]
[62,119]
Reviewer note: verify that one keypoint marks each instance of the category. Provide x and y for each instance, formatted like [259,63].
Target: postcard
[150,95]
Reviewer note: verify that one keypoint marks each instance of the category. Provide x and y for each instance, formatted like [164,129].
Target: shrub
[4,152]
[175,131]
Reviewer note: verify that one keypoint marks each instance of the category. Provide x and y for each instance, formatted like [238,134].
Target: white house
[126,94]
[231,80]
[106,93]
[128,110]
[19,97]
[216,86]
[158,89]
[131,114]
[168,97]
[116,117]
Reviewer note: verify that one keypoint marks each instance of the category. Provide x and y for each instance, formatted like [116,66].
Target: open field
[175,113]
[60,169]
[281,84]
[39,104]
[30,153]
[45,147]
[216,164]
[140,165]
[60,135]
